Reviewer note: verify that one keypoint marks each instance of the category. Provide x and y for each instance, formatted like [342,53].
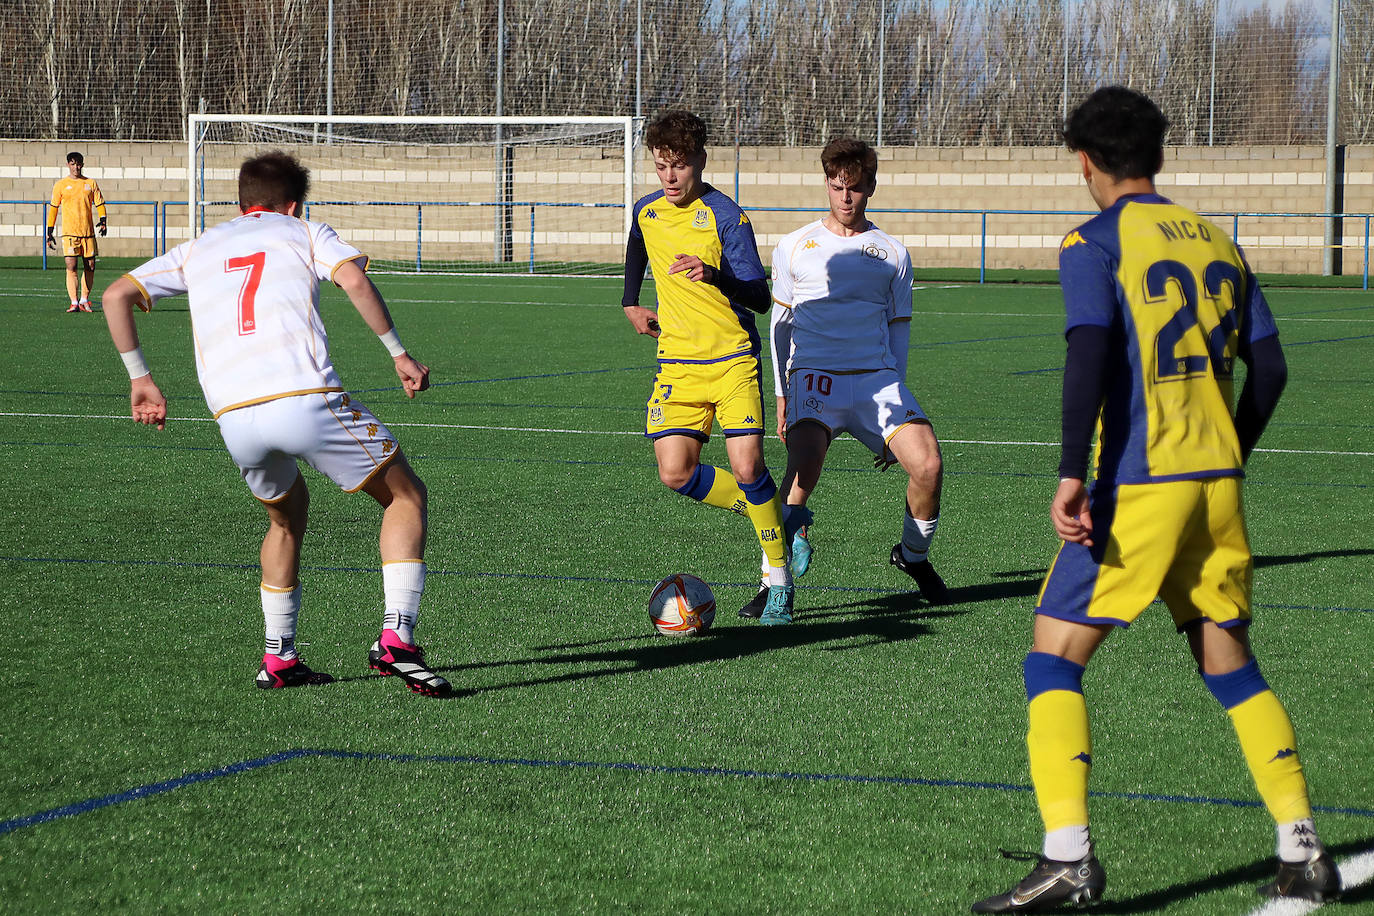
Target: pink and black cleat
[390,655]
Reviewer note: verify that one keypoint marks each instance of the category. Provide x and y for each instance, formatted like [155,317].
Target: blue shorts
[1183,541]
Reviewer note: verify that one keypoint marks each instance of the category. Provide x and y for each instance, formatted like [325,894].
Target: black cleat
[754,609]
[296,674]
[927,579]
[1317,880]
[390,655]
[1049,884]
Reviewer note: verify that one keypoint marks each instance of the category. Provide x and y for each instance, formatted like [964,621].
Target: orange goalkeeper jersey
[75,197]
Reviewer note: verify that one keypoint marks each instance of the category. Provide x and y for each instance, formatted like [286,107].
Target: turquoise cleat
[778,610]
[796,521]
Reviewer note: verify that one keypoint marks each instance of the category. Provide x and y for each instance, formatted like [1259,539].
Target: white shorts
[334,433]
[870,406]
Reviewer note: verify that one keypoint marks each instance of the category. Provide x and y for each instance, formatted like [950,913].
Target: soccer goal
[544,195]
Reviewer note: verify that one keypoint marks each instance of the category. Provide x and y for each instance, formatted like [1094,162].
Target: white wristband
[392,340]
[134,362]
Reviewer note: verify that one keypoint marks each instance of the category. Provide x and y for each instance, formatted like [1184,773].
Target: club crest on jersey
[701,219]
[873,251]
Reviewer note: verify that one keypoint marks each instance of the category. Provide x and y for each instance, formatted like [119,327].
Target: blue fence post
[531,238]
[983,249]
[419,227]
[43,233]
[1366,252]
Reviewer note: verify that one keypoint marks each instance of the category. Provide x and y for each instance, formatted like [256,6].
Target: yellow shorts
[78,246]
[688,396]
[1183,541]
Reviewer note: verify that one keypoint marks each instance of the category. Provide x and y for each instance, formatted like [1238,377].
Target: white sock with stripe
[281,607]
[403,582]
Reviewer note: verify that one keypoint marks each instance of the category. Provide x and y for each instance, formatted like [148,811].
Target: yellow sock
[1060,748]
[1266,739]
[1271,751]
[715,487]
[765,511]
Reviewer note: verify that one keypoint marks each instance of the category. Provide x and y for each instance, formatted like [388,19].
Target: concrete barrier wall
[1245,180]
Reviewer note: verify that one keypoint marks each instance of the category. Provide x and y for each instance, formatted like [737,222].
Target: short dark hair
[272,180]
[76,157]
[678,132]
[846,157]
[1121,130]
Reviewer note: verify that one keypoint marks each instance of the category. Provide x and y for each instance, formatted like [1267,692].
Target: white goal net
[543,195]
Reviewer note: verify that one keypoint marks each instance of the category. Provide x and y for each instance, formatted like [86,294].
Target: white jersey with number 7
[254,289]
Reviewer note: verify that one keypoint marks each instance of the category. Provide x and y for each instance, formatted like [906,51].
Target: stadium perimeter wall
[1246,180]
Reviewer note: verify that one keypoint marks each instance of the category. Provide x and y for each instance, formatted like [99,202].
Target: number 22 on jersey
[251,265]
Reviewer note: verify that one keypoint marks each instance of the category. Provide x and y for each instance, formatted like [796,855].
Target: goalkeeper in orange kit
[75,196]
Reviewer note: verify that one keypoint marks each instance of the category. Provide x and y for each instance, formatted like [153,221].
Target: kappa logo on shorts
[1284,754]
[910,414]
[750,419]
[388,446]
[357,415]
[372,430]
[1085,757]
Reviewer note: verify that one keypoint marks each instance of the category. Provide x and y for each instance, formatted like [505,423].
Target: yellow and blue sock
[1271,751]
[1060,748]
[714,487]
[765,511]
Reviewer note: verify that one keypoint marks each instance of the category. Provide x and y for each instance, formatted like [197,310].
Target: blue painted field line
[234,769]
[156,788]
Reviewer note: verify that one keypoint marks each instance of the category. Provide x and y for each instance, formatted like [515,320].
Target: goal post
[434,194]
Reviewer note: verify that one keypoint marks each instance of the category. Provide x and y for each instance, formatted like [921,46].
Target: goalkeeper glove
[52,239]
[101,226]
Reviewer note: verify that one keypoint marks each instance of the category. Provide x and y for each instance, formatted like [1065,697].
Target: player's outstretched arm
[367,299]
[147,404]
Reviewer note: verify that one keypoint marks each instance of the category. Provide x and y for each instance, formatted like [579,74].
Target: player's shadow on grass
[654,653]
[1287,558]
[1251,875]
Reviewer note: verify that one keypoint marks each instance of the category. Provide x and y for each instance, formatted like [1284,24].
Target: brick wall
[1279,179]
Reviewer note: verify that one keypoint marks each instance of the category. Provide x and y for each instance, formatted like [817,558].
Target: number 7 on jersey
[248,293]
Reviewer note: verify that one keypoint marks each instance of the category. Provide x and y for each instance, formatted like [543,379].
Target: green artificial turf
[868,758]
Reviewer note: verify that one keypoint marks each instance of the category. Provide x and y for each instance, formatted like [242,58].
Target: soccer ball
[682,605]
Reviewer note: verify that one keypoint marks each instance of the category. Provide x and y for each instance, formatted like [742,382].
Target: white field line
[616,432]
[1355,871]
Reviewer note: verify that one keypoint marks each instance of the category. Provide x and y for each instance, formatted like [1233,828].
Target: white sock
[280,609]
[916,536]
[779,575]
[403,582]
[1298,841]
[1068,844]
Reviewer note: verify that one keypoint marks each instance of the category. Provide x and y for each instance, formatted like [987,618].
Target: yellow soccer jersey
[1183,304]
[75,197]
[699,322]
